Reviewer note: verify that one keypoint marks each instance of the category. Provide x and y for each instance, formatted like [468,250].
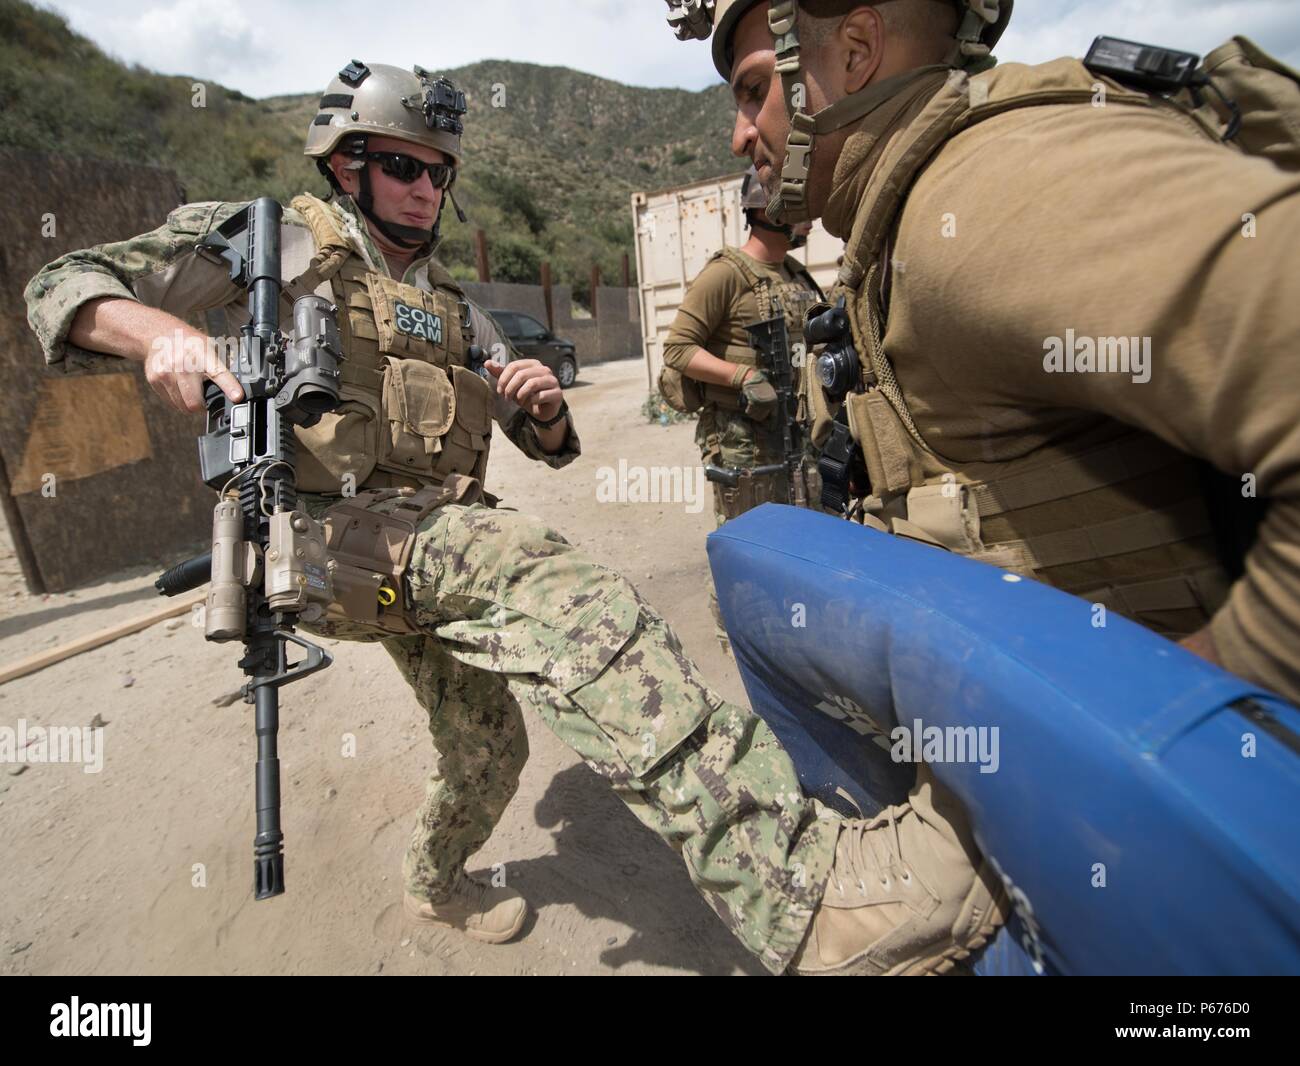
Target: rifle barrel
[268,845]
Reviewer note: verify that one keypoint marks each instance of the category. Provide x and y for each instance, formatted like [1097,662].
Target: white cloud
[266,47]
[290,46]
[1046,30]
[213,41]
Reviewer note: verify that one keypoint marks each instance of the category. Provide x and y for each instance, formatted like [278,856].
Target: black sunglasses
[406,168]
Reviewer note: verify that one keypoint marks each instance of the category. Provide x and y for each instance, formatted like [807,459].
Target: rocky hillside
[552,154]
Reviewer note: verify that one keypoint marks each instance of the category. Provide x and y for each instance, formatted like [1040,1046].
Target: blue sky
[265,47]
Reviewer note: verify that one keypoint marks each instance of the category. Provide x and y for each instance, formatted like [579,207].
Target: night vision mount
[691,20]
[441,103]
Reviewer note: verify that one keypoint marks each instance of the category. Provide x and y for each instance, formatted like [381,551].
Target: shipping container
[677,230]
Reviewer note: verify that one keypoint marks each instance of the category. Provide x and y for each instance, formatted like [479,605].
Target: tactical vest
[687,395]
[788,298]
[412,412]
[1038,515]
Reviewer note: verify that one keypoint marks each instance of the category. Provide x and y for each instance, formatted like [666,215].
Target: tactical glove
[758,398]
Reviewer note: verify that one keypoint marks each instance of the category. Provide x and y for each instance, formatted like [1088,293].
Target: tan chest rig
[412,413]
[1120,519]
[789,298]
[411,433]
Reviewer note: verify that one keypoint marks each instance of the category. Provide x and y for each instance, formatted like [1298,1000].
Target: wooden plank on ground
[173,607]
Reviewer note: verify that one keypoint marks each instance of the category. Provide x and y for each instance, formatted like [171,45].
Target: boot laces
[473,891]
[868,853]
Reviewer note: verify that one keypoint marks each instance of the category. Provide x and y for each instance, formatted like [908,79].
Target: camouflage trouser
[480,744]
[500,593]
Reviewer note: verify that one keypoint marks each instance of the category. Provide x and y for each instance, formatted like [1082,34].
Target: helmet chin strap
[758,220]
[790,203]
[411,237]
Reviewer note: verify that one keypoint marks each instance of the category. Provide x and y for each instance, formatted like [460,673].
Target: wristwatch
[555,420]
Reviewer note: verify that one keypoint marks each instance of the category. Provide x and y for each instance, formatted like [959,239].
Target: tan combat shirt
[717,307]
[1110,222]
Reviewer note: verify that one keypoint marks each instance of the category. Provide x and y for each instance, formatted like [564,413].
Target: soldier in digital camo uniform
[499,611]
[388,140]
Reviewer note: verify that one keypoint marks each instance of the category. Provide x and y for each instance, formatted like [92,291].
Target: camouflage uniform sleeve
[706,307]
[158,268]
[514,422]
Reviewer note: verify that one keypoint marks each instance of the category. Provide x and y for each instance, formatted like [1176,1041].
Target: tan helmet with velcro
[377,100]
[981,26]
[385,101]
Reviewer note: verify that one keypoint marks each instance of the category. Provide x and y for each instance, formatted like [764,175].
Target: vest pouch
[412,323]
[465,447]
[886,448]
[339,452]
[751,491]
[418,405]
[942,511]
[370,539]
[679,392]
[795,300]
[1268,93]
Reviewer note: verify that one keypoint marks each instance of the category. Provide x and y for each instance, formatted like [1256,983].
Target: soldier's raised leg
[901,893]
[608,676]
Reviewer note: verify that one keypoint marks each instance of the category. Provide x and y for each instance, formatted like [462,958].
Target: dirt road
[145,867]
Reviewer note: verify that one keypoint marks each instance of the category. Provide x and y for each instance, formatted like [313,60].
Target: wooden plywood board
[127,491]
[83,426]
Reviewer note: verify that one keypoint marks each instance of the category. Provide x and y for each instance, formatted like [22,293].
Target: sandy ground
[99,870]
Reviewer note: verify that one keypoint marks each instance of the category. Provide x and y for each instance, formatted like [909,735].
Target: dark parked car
[535,341]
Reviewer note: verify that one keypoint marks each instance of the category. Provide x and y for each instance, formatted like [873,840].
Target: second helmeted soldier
[710,365]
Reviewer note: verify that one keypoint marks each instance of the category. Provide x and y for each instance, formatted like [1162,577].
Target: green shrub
[656,409]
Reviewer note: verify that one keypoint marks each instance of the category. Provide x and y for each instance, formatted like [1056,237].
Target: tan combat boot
[478,909]
[904,897]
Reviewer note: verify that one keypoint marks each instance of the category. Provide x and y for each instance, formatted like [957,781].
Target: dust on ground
[101,871]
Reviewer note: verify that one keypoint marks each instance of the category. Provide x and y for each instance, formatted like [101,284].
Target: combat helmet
[982,25]
[365,100]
